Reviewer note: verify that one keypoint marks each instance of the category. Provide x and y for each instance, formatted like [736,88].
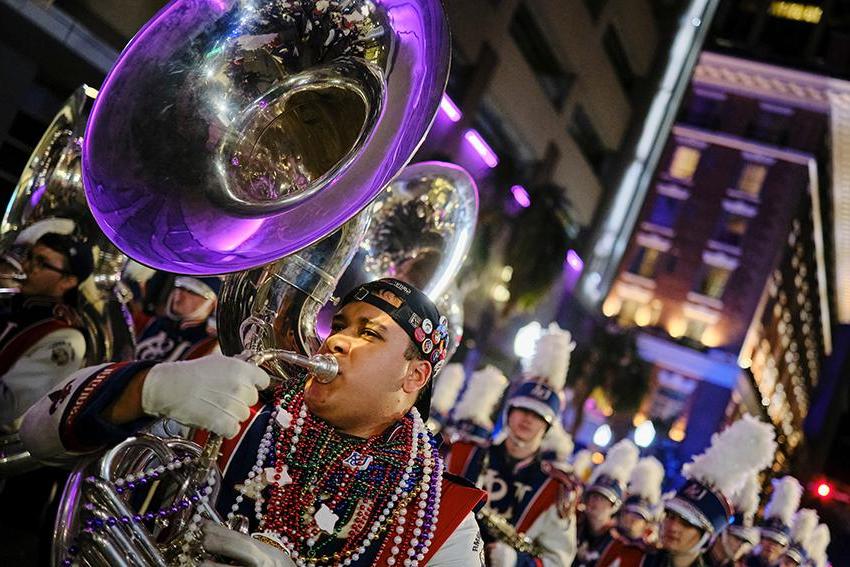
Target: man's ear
[68,282]
[417,376]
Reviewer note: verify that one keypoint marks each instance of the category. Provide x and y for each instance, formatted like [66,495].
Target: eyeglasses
[41,263]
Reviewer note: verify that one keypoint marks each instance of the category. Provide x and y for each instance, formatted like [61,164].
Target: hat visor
[612,496]
[794,554]
[774,536]
[690,513]
[194,285]
[536,406]
[749,535]
[641,511]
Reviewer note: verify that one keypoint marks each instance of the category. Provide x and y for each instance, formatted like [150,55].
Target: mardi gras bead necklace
[326,498]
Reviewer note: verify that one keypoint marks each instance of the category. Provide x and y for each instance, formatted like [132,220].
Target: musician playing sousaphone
[529,518]
[41,341]
[342,472]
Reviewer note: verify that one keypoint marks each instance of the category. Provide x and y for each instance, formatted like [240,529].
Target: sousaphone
[230,134]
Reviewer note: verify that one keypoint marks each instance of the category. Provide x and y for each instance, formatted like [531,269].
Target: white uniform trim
[40,427]
[38,370]
[464,547]
[557,535]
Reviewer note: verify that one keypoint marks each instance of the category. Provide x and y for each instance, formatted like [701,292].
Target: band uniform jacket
[66,424]
[40,345]
[524,492]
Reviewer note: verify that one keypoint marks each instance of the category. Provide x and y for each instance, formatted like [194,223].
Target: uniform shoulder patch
[61,353]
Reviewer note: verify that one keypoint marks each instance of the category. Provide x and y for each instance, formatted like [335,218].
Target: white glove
[501,554]
[213,393]
[247,551]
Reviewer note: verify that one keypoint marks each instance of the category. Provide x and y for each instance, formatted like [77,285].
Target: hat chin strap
[724,542]
[700,546]
[516,440]
[697,548]
[524,446]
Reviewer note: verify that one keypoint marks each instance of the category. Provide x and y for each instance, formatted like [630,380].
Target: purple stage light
[488,156]
[450,109]
[521,196]
[574,261]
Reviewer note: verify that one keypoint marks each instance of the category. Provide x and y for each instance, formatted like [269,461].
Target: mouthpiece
[323,367]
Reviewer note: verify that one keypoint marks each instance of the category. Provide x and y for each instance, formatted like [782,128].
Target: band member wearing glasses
[337,473]
[40,339]
[535,497]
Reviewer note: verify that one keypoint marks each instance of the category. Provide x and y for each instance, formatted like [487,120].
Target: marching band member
[636,522]
[774,528]
[183,332]
[603,497]
[700,510]
[41,342]
[341,472]
[739,539]
[529,516]
[802,528]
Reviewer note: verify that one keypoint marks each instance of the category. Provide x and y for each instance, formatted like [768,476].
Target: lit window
[645,262]
[684,163]
[703,109]
[752,178]
[732,229]
[714,281]
[695,328]
[665,210]
[796,11]
[626,317]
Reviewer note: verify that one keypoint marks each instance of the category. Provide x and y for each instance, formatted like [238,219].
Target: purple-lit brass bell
[231,133]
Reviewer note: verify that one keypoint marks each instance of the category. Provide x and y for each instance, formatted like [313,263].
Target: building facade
[527,77]
[727,269]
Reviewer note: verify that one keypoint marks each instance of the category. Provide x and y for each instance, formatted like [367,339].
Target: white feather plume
[138,272]
[619,462]
[551,358]
[745,500]
[557,440]
[803,526]
[818,544]
[583,464]
[447,386]
[785,499]
[745,446]
[646,480]
[483,392]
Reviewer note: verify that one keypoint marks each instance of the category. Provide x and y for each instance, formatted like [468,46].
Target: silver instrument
[50,186]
